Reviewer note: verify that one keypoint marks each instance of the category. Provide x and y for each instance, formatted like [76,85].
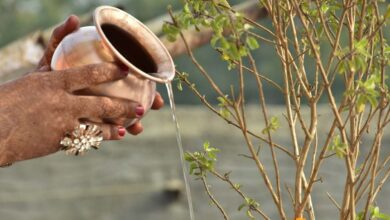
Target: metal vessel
[120,38]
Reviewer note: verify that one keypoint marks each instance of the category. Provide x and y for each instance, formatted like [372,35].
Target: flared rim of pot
[146,38]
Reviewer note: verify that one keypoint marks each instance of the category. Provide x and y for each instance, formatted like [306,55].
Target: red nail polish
[121,131]
[67,20]
[123,67]
[139,111]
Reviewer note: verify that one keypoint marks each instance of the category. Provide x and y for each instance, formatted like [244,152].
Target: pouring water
[181,151]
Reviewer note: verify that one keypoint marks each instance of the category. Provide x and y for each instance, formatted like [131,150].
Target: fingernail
[68,19]
[121,131]
[139,111]
[124,68]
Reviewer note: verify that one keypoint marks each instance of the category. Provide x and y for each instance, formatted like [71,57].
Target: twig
[226,179]
[197,64]
[225,216]
[209,106]
[334,201]
[263,106]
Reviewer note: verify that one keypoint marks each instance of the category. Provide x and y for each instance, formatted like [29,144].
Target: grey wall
[128,179]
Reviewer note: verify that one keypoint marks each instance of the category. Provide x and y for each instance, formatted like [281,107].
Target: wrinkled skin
[37,109]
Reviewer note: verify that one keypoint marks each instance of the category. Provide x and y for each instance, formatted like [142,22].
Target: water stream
[181,151]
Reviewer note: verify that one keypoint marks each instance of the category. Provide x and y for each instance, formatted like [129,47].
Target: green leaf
[387,50]
[249,214]
[224,43]
[220,20]
[186,8]
[212,155]
[252,43]
[206,145]
[360,216]
[222,100]
[179,86]
[376,214]
[225,57]
[224,2]
[375,211]
[360,63]
[247,27]
[342,67]
[372,100]
[214,40]
[224,113]
[273,125]
[241,206]
[170,29]
[186,22]
[360,106]
[231,66]
[382,216]
[234,52]
[362,44]
[338,147]
[243,51]
[352,65]
[387,14]
[324,8]
[193,167]
[171,38]
[188,157]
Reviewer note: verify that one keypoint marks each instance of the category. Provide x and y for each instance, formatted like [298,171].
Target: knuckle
[44,80]
[62,103]
[93,75]
[107,107]
[65,80]
[110,70]
[123,109]
[112,108]
[79,106]
[107,134]
[112,132]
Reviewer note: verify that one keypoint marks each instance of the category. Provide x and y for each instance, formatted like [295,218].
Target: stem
[209,106]
[265,116]
[225,216]
[226,179]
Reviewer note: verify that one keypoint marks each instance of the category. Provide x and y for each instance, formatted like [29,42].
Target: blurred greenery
[19,18]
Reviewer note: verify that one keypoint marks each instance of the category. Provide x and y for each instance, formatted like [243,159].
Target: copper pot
[118,37]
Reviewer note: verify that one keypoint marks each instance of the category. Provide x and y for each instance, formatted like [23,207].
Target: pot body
[86,46]
[120,38]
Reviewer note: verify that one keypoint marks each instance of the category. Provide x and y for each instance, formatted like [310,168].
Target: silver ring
[81,139]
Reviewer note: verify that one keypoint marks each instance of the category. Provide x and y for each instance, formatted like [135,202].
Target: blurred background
[140,177]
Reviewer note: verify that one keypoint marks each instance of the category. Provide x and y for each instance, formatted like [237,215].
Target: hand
[69,26]
[137,127]
[38,109]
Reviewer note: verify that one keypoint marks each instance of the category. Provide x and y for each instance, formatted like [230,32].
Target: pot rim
[165,69]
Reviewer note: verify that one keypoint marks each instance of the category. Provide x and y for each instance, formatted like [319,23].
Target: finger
[105,107]
[85,76]
[158,102]
[135,129]
[43,69]
[110,131]
[71,24]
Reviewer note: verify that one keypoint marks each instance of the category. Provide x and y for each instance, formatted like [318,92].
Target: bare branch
[220,208]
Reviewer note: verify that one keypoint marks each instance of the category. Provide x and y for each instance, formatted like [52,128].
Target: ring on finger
[82,139]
